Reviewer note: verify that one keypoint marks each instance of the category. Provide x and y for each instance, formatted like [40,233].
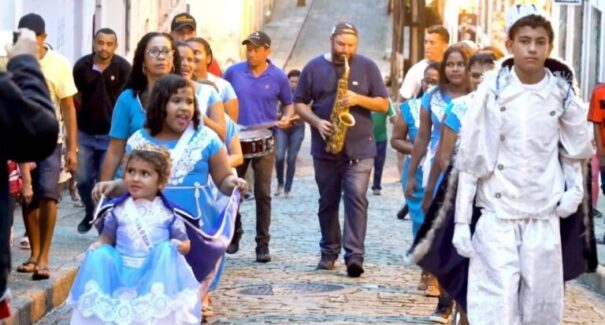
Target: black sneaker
[262,255]
[326,262]
[403,212]
[234,245]
[596,213]
[442,314]
[84,225]
[354,269]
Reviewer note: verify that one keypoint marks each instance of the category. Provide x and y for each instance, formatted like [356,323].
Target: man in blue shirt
[348,171]
[259,85]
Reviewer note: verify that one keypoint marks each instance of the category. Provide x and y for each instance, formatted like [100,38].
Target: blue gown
[189,188]
[143,279]
[410,112]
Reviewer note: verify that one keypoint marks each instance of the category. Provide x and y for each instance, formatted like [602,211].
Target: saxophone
[340,117]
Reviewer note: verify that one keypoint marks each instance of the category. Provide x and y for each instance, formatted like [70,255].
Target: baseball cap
[344,28]
[519,11]
[258,38]
[183,20]
[34,22]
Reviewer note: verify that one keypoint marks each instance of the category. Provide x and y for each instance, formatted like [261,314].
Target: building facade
[70,24]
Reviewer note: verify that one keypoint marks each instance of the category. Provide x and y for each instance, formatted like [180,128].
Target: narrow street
[289,290]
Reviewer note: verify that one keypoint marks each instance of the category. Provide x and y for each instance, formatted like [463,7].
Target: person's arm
[236,157]
[374,104]
[221,174]
[434,173]
[419,150]
[216,112]
[27,192]
[287,117]
[232,108]
[399,136]
[113,158]
[34,123]
[447,144]
[324,127]
[599,143]
[71,131]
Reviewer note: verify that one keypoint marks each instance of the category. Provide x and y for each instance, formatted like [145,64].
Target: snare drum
[256,143]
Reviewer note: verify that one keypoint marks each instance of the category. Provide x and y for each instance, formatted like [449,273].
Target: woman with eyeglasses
[154,58]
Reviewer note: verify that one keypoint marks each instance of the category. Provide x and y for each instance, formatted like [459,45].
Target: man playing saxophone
[343,148]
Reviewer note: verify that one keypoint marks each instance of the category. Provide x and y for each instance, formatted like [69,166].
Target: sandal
[207,311]
[28,266]
[41,273]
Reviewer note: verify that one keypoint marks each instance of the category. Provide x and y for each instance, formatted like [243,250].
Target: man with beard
[349,170]
[99,78]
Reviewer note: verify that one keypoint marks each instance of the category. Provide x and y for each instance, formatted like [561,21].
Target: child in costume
[520,161]
[135,272]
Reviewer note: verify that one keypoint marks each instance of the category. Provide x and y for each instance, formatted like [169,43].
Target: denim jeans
[335,178]
[263,168]
[91,152]
[288,140]
[381,154]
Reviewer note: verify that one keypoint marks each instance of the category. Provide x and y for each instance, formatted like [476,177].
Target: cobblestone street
[385,294]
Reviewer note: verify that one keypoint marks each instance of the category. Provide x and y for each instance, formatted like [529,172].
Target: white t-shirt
[412,83]
[58,74]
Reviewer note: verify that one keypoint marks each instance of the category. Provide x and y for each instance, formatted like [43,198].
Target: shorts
[45,179]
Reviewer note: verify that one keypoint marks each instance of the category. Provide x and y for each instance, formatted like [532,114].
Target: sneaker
[596,213]
[442,315]
[278,190]
[354,269]
[403,212]
[262,255]
[234,245]
[84,225]
[326,262]
[288,195]
[248,196]
[24,243]
[376,191]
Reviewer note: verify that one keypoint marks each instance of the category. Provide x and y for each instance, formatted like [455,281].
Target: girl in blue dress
[453,83]
[173,122]
[135,272]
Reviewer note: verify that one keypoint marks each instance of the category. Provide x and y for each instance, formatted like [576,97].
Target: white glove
[568,204]
[462,240]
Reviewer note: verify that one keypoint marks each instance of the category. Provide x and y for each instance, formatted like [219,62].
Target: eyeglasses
[429,81]
[455,64]
[155,52]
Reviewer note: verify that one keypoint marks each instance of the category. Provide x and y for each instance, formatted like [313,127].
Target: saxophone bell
[346,119]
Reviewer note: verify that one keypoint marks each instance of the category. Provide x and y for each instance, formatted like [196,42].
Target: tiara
[146,146]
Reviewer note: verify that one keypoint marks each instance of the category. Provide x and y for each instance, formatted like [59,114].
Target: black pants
[263,172]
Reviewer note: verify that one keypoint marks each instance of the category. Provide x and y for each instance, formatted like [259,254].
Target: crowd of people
[160,149]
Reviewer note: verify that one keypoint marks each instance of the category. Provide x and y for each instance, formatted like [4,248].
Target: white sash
[133,213]
[177,153]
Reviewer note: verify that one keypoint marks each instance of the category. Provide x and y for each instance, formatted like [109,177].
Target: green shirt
[380,123]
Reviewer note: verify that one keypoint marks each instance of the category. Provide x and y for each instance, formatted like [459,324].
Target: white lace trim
[125,306]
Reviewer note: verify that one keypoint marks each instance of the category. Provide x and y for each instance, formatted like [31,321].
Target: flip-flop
[24,267]
[41,273]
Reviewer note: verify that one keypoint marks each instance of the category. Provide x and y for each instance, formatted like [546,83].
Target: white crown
[519,11]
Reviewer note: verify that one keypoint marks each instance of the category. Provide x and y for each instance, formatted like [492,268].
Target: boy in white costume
[520,161]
